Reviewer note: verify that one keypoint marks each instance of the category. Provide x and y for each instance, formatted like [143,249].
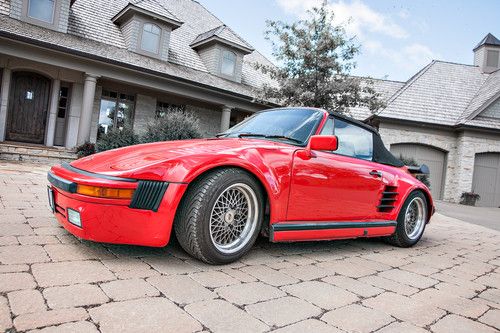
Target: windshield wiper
[241,135]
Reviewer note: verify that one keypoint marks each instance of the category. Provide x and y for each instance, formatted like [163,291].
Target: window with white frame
[228,64]
[150,38]
[42,10]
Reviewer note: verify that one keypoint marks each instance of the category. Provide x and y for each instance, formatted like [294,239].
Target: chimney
[487,54]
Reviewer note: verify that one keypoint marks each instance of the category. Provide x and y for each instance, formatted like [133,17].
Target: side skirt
[309,231]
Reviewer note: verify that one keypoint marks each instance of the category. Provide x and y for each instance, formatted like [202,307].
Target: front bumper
[114,221]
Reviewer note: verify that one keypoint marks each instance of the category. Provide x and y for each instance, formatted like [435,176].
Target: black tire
[192,223]
[400,237]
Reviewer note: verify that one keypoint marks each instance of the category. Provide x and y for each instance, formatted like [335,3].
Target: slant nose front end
[111,209]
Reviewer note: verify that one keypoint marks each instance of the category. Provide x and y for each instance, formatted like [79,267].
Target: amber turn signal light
[105,192]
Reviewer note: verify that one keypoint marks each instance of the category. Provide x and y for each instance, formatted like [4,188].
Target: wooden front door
[28,106]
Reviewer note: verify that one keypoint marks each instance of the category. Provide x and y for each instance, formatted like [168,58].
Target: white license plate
[50,193]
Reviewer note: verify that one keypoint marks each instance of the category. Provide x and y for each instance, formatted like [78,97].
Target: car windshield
[292,125]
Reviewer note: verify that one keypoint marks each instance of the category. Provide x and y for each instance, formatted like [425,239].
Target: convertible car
[290,174]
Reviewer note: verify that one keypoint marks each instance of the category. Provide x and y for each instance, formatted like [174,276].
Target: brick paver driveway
[49,280]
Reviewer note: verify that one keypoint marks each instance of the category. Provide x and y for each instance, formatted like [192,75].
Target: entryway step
[35,153]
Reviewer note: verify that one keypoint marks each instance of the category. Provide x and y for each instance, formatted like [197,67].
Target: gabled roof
[386,89]
[150,8]
[438,94]
[489,39]
[92,33]
[222,34]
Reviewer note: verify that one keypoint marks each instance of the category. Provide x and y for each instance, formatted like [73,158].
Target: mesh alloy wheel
[234,218]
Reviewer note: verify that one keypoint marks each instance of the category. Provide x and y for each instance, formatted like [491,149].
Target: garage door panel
[486,179]
[432,157]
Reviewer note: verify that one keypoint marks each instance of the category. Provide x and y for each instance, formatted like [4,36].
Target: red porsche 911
[291,174]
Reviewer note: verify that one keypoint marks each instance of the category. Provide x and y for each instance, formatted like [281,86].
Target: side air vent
[389,196]
[148,195]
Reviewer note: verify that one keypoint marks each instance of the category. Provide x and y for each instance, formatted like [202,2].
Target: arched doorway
[486,179]
[28,107]
[434,158]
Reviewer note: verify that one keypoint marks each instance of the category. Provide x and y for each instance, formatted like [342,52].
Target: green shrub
[176,124]
[117,138]
[86,149]
[410,161]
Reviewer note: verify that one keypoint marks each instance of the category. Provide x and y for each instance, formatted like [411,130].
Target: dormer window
[228,63]
[150,38]
[140,33]
[492,58]
[42,10]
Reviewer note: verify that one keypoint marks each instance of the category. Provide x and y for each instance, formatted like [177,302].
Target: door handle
[376,173]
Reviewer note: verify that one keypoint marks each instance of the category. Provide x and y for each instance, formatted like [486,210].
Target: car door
[344,185]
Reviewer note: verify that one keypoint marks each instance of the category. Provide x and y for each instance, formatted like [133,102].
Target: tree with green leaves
[315,58]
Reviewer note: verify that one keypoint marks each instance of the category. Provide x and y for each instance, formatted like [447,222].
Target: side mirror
[322,142]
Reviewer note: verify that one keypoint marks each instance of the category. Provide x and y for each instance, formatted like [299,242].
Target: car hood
[139,161]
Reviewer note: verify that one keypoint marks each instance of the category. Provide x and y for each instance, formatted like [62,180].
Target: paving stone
[121,290]
[346,268]
[65,252]
[16,281]
[38,240]
[181,288]
[248,293]
[50,231]
[305,272]
[221,316]
[386,284]
[129,268]
[213,279]
[170,266]
[456,324]
[283,311]
[26,301]
[321,294]
[8,240]
[71,272]
[14,268]
[74,296]
[419,268]
[451,303]
[76,327]
[399,327]
[453,289]
[5,317]
[371,264]
[152,314]
[49,318]
[269,275]
[491,280]
[22,254]
[259,257]
[492,318]
[491,295]
[239,275]
[409,278]
[300,260]
[458,281]
[357,318]
[353,285]
[309,325]
[280,265]
[38,222]
[405,308]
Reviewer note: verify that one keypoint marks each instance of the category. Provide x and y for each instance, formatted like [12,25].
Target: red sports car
[291,174]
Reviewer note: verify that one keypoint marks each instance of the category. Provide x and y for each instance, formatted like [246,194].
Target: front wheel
[411,221]
[220,216]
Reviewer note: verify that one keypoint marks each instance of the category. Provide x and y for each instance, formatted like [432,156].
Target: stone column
[85,125]
[4,99]
[54,103]
[226,118]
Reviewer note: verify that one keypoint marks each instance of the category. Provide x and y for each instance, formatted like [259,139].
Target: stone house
[448,117]
[72,69]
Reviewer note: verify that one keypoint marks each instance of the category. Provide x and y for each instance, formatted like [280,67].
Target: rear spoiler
[419,170]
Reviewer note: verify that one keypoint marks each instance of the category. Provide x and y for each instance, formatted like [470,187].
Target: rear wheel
[220,216]
[411,221]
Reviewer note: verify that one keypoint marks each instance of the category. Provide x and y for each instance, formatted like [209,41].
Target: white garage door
[434,158]
[486,179]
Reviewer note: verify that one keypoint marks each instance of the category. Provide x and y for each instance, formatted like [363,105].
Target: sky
[397,38]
